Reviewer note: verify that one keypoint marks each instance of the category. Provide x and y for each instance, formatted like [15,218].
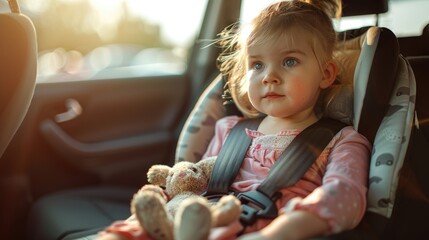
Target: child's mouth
[272,95]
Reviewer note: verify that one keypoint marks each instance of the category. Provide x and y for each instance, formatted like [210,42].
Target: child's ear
[329,74]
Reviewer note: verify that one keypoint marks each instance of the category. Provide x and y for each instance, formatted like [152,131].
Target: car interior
[84,147]
[18,67]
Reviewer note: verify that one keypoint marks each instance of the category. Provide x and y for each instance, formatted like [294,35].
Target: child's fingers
[290,205]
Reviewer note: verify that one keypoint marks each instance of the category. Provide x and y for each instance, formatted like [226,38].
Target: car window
[404,17]
[98,39]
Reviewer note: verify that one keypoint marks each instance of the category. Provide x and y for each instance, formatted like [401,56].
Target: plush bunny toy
[155,208]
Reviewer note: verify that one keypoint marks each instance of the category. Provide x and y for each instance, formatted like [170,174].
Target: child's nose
[271,75]
[271,78]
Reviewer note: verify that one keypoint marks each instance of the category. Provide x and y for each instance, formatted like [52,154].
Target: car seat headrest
[374,80]
[364,7]
[340,106]
[18,66]
[369,63]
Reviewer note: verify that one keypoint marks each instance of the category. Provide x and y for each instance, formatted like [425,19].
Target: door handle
[73,111]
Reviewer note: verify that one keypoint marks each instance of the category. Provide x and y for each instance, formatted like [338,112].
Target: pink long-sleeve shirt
[334,187]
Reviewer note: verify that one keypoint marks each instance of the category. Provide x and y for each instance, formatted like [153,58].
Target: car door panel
[125,126]
[69,147]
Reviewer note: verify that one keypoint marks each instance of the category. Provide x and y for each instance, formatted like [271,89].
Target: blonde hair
[313,16]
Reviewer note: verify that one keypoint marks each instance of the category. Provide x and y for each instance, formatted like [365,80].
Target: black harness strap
[288,169]
[232,154]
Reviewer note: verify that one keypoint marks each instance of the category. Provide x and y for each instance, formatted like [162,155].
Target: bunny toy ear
[158,174]
[207,165]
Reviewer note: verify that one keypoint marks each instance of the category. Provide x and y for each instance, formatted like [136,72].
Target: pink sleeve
[129,230]
[341,199]
[222,129]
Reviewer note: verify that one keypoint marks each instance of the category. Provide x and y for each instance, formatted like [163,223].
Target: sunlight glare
[105,17]
[179,26]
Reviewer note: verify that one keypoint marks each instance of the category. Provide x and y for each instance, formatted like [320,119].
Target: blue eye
[290,62]
[258,66]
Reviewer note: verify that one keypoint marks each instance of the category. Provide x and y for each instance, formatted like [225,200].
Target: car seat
[383,103]
[18,68]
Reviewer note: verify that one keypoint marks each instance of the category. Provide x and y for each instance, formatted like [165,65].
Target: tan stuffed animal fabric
[168,214]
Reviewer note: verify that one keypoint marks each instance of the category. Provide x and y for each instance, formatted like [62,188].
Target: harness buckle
[256,205]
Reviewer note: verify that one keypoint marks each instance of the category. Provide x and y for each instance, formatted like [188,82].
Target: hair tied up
[332,8]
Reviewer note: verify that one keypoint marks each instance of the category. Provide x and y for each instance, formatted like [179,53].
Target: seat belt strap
[294,162]
[230,157]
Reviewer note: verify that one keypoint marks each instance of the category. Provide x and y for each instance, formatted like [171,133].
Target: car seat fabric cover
[199,127]
[18,67]
[380,49]
[391,143]
[395,117]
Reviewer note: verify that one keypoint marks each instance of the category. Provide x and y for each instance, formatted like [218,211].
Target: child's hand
[290,205]
[264,234]
[292,225]
[270,231]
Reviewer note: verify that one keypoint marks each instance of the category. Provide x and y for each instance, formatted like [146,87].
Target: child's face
[285,77]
